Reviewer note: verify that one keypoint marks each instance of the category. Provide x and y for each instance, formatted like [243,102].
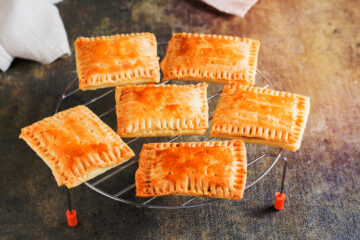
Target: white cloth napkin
[31,29]
[236,7]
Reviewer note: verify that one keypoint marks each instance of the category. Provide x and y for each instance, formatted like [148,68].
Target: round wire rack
[126,194]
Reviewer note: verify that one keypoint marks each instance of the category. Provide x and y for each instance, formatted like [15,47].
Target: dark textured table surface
[308,47]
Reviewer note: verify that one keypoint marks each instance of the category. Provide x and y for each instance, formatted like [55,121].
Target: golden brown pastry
[161,110]
[76,145]
[210,58]
[211,169]
[121,59]
[263,116]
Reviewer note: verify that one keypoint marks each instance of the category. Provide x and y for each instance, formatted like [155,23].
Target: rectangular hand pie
[210,58]
[263,116]
[76,145]
[121,59]
[210,169]
[161,110]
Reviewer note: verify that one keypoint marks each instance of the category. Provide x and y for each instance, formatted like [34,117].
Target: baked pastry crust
[263,116]
[76,145]
[211,58]
[161,110]
[209,169]
[107,61]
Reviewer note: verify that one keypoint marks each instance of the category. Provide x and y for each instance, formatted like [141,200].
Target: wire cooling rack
[126,194]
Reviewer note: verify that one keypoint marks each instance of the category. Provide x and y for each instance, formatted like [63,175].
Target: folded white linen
[236,7]
[31,29]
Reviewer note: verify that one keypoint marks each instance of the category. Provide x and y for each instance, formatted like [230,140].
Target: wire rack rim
[145,204]
[148,206]
[184,205]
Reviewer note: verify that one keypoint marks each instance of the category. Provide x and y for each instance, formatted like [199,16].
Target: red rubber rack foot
[71,218]
[279,201]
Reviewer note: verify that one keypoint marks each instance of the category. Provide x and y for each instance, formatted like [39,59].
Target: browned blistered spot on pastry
[157,103]
[146,95]
[197,162]
[172,107]
[270,108]
[209,48]
[70,146]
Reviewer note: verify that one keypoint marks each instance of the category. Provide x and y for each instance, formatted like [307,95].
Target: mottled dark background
[308,47]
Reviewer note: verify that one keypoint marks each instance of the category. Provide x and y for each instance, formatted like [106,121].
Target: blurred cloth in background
[236,7]
[31,29]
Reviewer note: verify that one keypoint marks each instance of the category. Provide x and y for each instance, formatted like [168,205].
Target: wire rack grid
[189,202]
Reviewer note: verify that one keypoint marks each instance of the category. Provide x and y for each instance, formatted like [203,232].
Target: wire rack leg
[68,198]
[282,188]
[280,196]
[70,213]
